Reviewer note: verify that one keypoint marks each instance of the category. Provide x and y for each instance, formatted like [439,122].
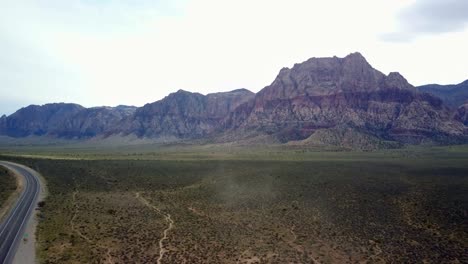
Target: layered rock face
[462,114]
[183,115]
[323,93]
[93,121]
[334,101]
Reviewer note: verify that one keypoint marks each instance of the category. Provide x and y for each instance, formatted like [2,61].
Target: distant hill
[62,120]
[453,95]
[38,120]
[322,101]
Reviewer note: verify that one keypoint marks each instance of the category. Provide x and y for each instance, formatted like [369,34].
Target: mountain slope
[183,115]
[323,101]
[38,120]
[453,95]
[462,114]
[62,120]
[323,93]
[93,121]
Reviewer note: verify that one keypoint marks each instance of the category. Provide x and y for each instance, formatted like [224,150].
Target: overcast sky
[110,52]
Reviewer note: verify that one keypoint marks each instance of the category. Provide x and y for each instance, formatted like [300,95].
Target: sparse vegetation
[7,185]
[262,206]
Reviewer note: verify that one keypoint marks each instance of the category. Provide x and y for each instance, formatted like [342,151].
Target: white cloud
[425,17]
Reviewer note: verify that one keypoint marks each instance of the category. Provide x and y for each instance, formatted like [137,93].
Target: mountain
[180,115]
[62,120]
[38,120]
[462,114]
[322,101]
[93,121]
[335,93]
[453,95]
[183,114]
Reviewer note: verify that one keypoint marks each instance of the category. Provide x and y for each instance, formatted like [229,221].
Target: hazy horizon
[117,53]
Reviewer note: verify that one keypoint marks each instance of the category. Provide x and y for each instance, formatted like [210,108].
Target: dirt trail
[197,212]
[299,248]
[247,260]
[87,239]
[167,217]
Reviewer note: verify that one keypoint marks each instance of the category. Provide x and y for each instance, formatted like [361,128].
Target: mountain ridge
[454,95]
[322,93]
[345,96]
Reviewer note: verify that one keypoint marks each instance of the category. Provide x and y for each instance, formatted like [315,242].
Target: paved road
[12,228]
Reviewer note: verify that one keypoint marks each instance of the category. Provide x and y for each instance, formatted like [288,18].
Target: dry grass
[8,186]
[376,210]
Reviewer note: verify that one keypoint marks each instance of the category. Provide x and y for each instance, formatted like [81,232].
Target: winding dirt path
[167,217]
[87,239]
[299,248]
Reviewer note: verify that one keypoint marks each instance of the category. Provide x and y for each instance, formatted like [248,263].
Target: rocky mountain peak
[238,92]
[356,59]
[325,93]
[330,99]
[241,91]
[355,55]
[395,80]
[324,76]
[181,91]
[396,76]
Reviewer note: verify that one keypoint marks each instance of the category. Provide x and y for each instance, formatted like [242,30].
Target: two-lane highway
[13,226]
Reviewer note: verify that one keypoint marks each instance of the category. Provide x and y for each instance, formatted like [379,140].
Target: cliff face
[38,120]
[323,76]
[323,93]
[462,114]
[92,121]
[62,120]
[340,101]
[183,114]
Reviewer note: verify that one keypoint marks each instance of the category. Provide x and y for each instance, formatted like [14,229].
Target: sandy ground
[26,253]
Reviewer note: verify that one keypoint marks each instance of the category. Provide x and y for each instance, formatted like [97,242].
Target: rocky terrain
[183,114]
[38,120]
[62,120]
[462,114]
[325,93]
[322,101]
